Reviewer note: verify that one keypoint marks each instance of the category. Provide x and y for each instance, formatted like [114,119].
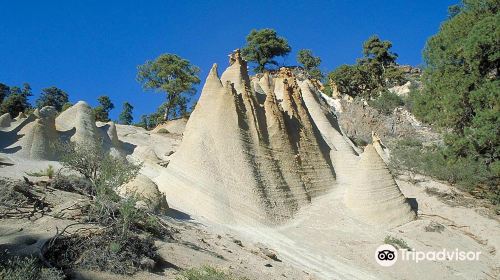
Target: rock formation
[249,155]
[40,137]
[374,197]
[380,147]
[146,193]
[110,141]
[80,118]
[259,149]
[20,116]
[37,135]
[5,120]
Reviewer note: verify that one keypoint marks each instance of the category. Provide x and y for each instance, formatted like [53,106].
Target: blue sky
[91,48]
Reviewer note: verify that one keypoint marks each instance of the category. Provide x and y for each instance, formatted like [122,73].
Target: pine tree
[126,114]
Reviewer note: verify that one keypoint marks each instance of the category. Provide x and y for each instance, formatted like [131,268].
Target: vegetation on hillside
[172,75]
[126,116]
[461,95]
[310,63]
[263,46]
[101,111]
[375,72]
[54,97]
[125,234]
[461,87]
[467,173]
[386,102]
[207,273]
[14,99]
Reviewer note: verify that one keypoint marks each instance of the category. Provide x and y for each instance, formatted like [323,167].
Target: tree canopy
[172,75]
[126,114]
[461,81]
[4,91]
[375,72]
[310,63]
[262,46]
[16,100]
[101,111]
[52,96]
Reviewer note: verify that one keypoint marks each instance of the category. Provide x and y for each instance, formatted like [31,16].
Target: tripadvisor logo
[387,255]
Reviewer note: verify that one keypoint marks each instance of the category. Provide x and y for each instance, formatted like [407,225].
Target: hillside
[262,180]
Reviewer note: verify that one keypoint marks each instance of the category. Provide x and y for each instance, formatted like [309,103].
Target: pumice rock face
[80,118]
[41,136]
[5,120]
[257,150]
[257,161]
[374,196]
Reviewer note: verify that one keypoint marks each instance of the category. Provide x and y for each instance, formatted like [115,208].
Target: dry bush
[18,199]
[107,250]
[27,268]
[73,184]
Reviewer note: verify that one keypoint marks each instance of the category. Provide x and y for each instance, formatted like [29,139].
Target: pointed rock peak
[213,72]
[265,77]
[369,151]
[237,72]
[21,116]
[375,137]
[213,81]
[235,57]
[112,133]
[371,156]
[285,72]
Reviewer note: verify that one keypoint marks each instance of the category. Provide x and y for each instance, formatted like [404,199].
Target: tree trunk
[167,112]
[168,106]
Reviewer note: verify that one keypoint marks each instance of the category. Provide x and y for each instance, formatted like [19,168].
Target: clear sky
[90,48]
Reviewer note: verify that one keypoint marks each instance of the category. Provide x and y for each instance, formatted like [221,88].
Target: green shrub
[410,99]
[103,170]
[461,83]
[468,173]
[49,172]
[121,246]
[128,215]
[328,89]
[396,242]
[163,131]
[386,102]
[28,268]
[206,273]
